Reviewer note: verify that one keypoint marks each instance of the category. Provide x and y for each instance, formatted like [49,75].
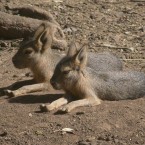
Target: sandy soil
[119,23]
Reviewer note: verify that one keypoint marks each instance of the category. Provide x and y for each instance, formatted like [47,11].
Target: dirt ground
[109,25]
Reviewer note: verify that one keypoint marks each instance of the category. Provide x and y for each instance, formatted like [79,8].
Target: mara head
[32,50]
[70,68]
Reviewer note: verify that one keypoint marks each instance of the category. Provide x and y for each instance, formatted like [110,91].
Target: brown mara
[84,86]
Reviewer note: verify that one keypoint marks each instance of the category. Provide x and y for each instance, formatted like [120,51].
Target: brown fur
[69,77]
[41,60]
[89,87]
[36,54]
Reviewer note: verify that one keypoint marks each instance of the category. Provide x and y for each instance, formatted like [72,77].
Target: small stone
[69,30]
[38,132]
[67,130]
[127,33]
[2,134]
[140,4]
[22,75]
[83,143]
[30,114]
[80,113]
[43,108]
[116,141]
[109,138]
[4,44]
[14,44]
[132,49]
[92,50]
[58,1]
[142,29]
[92,16]
[59,125]
[90,139]
[15,76]
[137,142]
[6,71]
[29,74]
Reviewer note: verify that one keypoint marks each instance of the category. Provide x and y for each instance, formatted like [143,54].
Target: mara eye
[28,51]
[66,72]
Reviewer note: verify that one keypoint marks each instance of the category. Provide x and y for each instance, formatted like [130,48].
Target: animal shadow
[32,99]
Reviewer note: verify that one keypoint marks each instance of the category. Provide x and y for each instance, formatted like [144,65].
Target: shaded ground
[111,23]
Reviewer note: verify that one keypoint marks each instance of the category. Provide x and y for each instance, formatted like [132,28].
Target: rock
[30,114]
[4,133]
[29,74]
[4,44]
[14,44]
[92,16]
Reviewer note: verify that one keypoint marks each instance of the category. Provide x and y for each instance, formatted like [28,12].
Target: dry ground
[119,23]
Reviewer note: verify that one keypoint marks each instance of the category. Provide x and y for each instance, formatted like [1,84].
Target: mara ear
[39,31]
[37,35]
[43,37]
[46,39]
[80,58]
[72,49]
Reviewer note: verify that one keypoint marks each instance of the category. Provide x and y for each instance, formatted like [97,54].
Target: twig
[112,46]
[22,132]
